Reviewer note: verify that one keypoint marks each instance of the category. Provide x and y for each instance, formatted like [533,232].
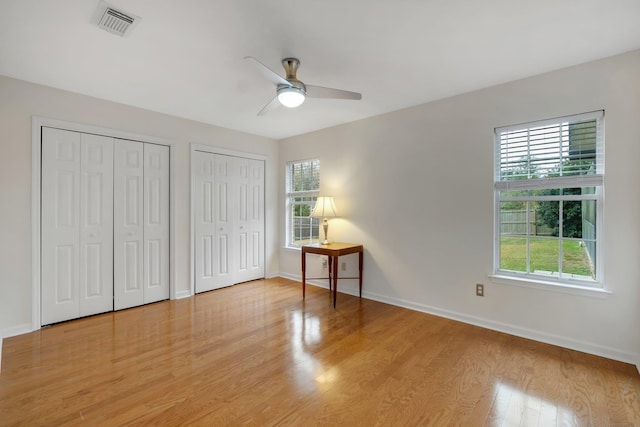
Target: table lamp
[324,208]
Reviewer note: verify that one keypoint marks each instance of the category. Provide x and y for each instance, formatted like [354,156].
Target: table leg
[304,270]
[329,270]
[360,259]
[335,281]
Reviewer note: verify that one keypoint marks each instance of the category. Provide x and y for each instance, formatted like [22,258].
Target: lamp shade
[324,207]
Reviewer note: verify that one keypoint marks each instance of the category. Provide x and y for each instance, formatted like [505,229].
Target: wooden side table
[333,251]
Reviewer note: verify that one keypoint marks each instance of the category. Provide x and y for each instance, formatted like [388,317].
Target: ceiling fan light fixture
[291,97]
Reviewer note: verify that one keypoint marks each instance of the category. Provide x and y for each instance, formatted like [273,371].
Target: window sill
[299,248]
[565,288]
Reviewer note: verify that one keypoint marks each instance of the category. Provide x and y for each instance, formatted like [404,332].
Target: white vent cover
[115,21]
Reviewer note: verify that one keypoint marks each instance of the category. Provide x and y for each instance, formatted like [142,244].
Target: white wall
[19,101]
[415,187]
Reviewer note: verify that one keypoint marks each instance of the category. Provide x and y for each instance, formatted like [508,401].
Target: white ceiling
[185,58]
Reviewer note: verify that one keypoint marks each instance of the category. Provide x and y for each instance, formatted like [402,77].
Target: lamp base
[325,227]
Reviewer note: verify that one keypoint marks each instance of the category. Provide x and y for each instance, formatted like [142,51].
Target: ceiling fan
[290,91]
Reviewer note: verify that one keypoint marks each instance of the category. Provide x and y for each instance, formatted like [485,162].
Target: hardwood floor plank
[256,354]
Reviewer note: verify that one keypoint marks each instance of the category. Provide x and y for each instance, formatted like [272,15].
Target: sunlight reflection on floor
[513,407]
[307,369]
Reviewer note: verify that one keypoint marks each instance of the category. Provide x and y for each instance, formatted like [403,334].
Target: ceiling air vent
[115,21]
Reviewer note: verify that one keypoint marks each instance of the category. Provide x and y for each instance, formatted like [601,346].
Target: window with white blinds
[303,188]
[549,181]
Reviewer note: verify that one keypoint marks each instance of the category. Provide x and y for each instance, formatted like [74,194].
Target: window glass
[303,188]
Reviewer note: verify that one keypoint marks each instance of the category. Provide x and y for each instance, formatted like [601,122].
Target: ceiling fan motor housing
[291,66]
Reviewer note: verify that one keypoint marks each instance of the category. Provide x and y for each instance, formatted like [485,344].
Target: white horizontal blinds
[558,153]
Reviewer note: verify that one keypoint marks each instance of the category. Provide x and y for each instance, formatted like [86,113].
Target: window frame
[559,182]
[290,195]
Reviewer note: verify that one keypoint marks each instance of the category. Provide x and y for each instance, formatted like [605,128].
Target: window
[303,188]
[549,199]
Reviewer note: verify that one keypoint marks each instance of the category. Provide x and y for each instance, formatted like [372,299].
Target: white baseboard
[12,331]
[288,276]
[570,343]
[183,294]
[321,283]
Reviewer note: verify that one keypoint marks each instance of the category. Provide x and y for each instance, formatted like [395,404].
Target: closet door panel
[60,213]
[96,225]
[224,200]
[156,223]
[250,176]
[242,233]
[257,218]
[205,225]
[128,224]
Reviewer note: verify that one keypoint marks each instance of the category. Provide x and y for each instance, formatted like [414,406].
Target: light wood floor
[256,354]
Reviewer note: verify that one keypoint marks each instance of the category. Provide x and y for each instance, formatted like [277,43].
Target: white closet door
[128,224]
[250,225]
[205,226]
[224,202]
[77,227]
[229,220]
[60,246]
[156,223]
[96,224]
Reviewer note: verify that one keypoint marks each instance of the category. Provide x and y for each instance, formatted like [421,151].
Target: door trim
[193,148]
[37,123]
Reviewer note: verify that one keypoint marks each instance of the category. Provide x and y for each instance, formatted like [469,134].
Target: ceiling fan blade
[269,74]
[272,105]
[327,92]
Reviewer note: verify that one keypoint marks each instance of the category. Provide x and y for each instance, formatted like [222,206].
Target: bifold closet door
[128,226]
[229,220]
[205,236]
[156,223]
[141,223]
[77,225]
[250,219]
[213,221]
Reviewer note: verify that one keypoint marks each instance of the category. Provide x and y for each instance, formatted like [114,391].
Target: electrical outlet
[479,289]
[344,266]
[324,263]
